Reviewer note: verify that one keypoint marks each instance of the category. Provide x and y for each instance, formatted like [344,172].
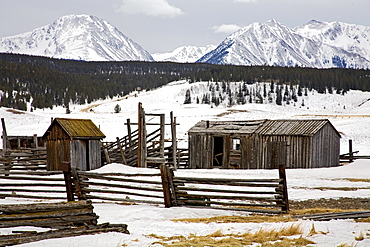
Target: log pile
[65,219]
[50,215]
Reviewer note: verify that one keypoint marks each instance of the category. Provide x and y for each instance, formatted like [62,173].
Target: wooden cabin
[73,140]
[263,144]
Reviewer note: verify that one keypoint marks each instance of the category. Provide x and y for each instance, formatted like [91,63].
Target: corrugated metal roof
[291,127]
[79,128]
[305,127]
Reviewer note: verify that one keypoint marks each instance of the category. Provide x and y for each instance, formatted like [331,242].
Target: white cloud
[152,8]
[226,28]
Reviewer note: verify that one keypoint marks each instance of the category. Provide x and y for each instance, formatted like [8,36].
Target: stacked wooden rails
[49,215]
[23,174]
[122,187]
[23,160]
[64,219]
[254,195]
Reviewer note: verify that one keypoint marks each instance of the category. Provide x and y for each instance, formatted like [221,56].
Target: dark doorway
[218,149]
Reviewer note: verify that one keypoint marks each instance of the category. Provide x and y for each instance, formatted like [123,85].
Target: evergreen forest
[40,82]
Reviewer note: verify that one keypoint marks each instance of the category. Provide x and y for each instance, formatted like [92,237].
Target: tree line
[41,82]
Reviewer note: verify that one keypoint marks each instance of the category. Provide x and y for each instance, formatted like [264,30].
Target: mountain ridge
[77,37]
[274,44]
[184,54]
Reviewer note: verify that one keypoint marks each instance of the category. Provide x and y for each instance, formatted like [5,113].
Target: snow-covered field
[350,114]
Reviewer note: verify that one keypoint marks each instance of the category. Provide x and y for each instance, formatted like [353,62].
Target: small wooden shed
[263,144]
[73,140]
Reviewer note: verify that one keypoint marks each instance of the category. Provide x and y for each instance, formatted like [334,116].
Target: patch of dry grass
[366,220]
[15,111]
[332,188]
[365,180]
[265,237]
[308,211]
[238,219]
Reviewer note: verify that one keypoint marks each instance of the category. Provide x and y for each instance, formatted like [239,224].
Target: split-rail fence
[157,187]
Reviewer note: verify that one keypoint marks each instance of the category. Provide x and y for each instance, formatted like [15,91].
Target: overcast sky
[163,25]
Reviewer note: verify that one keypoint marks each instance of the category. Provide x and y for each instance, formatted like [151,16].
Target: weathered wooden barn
[73,140]
[263,144]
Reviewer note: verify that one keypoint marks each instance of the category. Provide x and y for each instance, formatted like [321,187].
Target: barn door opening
[218,149]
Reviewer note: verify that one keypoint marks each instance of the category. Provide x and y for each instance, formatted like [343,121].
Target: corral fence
[156,187]
[23,174]
[255,195]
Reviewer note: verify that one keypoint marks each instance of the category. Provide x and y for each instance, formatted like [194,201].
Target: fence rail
[121,187]
[257,195]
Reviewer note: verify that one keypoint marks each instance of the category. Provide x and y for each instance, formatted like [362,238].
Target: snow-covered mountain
[316,44]
[184,54]
[78,37]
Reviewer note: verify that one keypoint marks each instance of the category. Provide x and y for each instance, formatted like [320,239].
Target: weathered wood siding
[306,146]
[79,155]
[94,154]
[57,152]
[325,148]
[292,151]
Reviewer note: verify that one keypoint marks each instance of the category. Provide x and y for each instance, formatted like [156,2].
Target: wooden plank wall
[325,148]
[57,152]
[95,154]
[268,151]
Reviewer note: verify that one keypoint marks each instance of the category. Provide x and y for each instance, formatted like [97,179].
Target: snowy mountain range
[77,37]
[184,54]
[315,44]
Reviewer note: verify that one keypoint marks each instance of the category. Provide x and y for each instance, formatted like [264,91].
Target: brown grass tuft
[265,237]
[238,219]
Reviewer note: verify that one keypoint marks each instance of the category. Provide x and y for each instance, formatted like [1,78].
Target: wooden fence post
[350,151]
[174,140]
[76,180]
[166,185]
[121,150]
[66,168]
[6,143]
[282,176]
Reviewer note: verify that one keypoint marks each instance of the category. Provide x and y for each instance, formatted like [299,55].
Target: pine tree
[187,97]
[117,109]
[278,96]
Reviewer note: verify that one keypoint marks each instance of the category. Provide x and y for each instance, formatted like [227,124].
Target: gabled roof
[301,127]
[77,128]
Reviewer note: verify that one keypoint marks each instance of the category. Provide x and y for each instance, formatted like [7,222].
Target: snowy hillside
[78,37]
[349,113]
[316,44]
[184,54]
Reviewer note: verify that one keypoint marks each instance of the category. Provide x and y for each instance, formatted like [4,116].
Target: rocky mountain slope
[315,44]
[77,37]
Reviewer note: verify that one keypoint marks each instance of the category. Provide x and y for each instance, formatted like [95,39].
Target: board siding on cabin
[95,154]
[303,144]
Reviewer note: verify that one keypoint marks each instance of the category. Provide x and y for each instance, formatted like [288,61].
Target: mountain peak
[77,37]
[315,44]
